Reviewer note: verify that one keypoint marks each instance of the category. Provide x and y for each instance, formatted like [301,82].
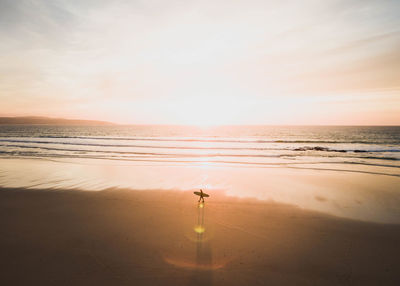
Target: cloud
[76,54]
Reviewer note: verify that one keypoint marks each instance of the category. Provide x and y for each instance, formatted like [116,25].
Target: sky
[202,62]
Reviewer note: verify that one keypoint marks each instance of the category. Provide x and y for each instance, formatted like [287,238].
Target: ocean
[348,171]
[238,145]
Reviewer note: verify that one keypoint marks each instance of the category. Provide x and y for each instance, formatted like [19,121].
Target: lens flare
[199,229]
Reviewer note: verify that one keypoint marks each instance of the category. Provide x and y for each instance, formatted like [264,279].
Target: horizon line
[173,124]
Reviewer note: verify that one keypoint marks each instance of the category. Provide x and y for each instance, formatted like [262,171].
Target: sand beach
[127,237]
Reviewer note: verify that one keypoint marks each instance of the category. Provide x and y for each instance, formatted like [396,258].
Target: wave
[139,146]
[255,164]
[302,149]
[173,155]
[211,140]
[299,149]
[326,149]
[189,155]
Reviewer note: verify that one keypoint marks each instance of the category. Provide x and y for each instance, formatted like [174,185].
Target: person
[201,196]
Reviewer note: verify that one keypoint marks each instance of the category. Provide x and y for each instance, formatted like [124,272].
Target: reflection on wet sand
[202,274]
[198,240]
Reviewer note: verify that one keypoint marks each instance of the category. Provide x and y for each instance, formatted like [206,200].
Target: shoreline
[120,236]
[359,195]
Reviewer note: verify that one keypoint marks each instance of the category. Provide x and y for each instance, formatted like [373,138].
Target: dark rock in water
[300,149]
[318,148]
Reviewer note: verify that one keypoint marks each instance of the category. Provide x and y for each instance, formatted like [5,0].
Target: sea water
[256,145]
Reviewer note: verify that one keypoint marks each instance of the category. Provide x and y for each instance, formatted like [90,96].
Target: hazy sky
[194,62]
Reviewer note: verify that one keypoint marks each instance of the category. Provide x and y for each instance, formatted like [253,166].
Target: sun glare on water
[206,111]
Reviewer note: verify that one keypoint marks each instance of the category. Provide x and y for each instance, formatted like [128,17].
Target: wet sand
[126,237]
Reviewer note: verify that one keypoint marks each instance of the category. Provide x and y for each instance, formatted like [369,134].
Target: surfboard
[199,194]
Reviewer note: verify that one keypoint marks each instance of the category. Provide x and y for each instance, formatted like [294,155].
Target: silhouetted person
[201,196]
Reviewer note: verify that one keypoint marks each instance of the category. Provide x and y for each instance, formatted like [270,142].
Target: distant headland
[40,120]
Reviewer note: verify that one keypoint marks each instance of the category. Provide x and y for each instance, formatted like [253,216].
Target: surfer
[202,195]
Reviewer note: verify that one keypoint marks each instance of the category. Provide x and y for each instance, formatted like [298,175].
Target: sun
[207,111]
